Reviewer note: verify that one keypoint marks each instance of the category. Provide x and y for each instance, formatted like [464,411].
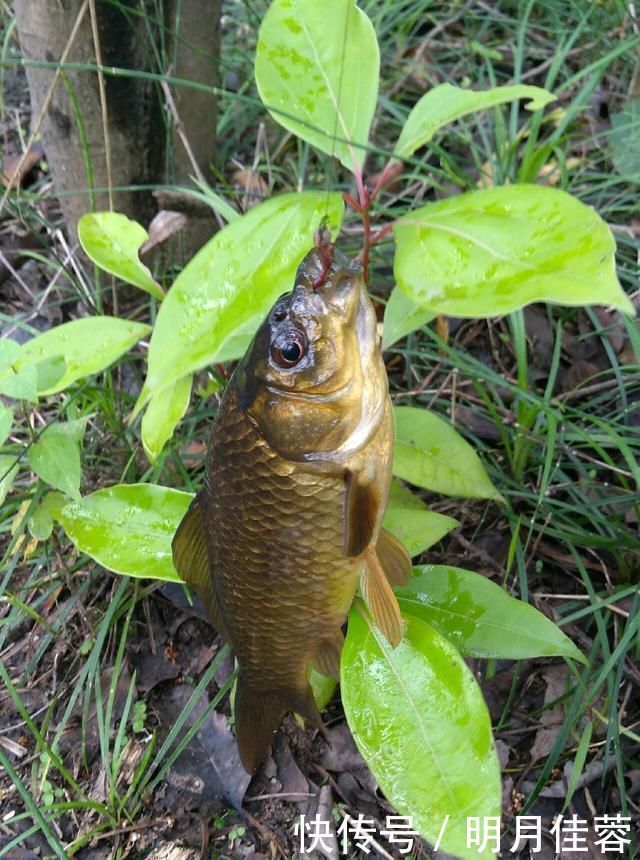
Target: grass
[565,458]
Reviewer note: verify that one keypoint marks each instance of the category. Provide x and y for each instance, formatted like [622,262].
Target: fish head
[313,380]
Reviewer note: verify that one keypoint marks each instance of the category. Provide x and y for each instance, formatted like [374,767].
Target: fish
[288,523]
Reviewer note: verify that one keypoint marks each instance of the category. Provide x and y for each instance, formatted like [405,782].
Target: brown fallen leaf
[556,678]
[163,226]
[252,184]
[579,372]
[12,165]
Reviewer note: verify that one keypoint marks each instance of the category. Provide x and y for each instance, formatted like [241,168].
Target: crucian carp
[288,523]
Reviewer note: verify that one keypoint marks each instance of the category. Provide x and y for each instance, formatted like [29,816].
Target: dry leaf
[164,225]
[34,155]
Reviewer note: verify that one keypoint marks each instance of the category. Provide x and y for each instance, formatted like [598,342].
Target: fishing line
[338,98]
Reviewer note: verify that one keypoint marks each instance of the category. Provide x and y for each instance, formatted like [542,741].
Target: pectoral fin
[362,504]
[380,599]
[191,560]
[393,558]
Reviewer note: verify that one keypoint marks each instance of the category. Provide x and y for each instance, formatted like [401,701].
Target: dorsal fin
[191,560]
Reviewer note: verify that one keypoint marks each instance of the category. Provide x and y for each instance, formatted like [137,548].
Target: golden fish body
[289,520]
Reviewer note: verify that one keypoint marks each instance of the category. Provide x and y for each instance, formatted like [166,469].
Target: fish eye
[288,348]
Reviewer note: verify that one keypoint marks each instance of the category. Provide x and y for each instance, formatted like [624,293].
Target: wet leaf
[6,422]
[489,252]
[419,719]
[418,530]
[112,241]
[20,384]
[49,372]
[479,617]
[8,471]
[317,68]
[55,458]
[446,103]
[126,528]
[233,280]
[165,409]
[88,346]
[401,317]
[429,453]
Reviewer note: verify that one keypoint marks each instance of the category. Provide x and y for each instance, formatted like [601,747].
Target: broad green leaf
[322,687]
[234,278]
[418,530]
[479,617]
[430,453]
[6,422]
[446,103]
[8,470]
[113,241]
[165,409]
[126,528]
[490,252]
[55,458]
[49,372]
[402,316]
[88,345]
[20,384]
[402,497]
[9,353]
[41,523]
[419,719]
[317,69]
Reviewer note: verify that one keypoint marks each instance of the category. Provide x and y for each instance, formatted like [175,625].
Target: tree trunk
[139,127]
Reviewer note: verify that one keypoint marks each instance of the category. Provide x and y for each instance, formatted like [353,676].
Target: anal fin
[393,558]
[380,599]
[191,560]
[327,659]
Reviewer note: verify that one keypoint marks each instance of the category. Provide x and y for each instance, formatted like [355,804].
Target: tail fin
[258,715]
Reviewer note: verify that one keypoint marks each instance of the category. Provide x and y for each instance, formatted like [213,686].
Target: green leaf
[487,253]
[322,687]
[50,371]
[402,497]
[20,384]
[127,528]
[402,316]
[419,719]
[430,453]
[234,278]
[6,422]
[8,471]
[55,458]
[165,409]
[317,69]
[446,103]
[479,617]
[88,345]
[16,382]
[41,523]
[112,241]
[418,530]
